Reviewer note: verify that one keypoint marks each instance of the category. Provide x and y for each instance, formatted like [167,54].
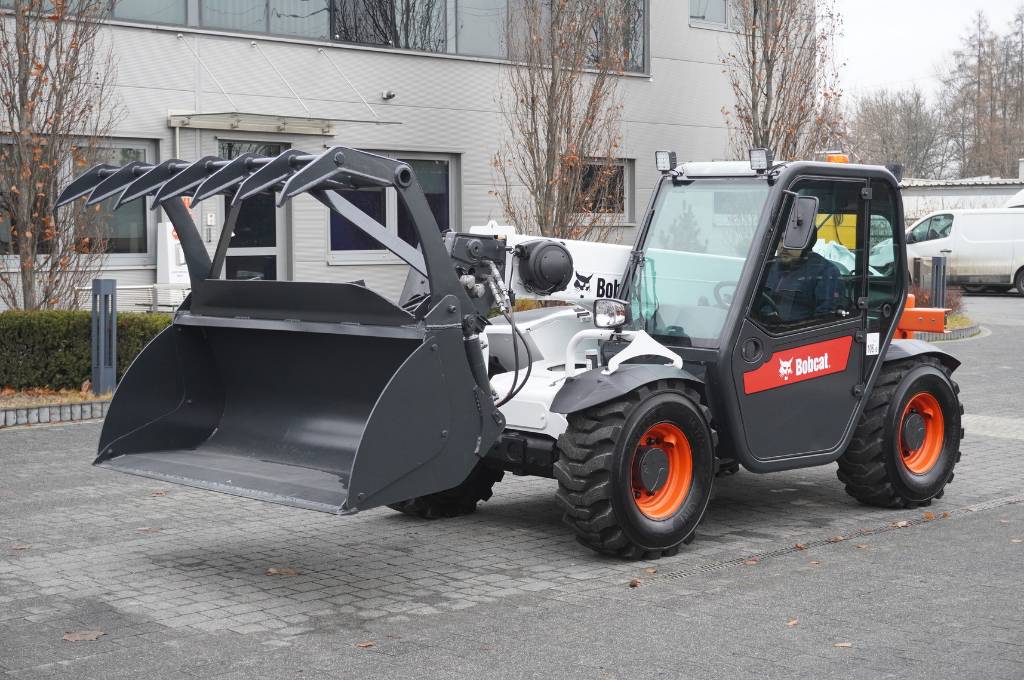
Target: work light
[666,160]
[760,160]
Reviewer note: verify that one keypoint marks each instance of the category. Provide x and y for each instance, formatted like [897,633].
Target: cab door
[798,365]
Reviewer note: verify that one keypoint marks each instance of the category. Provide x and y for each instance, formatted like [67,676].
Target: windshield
[696,245]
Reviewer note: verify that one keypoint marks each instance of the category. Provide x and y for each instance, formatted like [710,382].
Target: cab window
[935,227]
[883,276]
[817,285]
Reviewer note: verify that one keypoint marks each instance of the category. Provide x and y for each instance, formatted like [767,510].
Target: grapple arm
[318,395]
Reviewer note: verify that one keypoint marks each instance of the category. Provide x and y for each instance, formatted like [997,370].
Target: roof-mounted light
[836,157]
[761,160]
[666,161]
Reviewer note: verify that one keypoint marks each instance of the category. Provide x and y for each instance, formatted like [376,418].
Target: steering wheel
[766,298]
[721,299]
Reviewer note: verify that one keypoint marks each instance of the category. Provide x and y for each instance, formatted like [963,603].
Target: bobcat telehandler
[761,319]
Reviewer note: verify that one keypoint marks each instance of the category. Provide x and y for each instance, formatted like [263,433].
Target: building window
[149,11]
[300,18]
[468,27]
[607,188]
[481,27]
[709,11]
[349,245]
[126,228]
[408,24]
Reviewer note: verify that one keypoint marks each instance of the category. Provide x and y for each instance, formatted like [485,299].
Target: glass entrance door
[257,242]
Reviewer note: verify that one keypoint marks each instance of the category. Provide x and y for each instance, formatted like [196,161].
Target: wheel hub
[653,468]
[914,430]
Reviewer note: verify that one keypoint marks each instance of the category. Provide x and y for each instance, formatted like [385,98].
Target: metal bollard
[917,276]
[104,335]
[939,281]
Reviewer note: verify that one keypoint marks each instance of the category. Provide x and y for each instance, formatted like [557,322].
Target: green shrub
[52,348]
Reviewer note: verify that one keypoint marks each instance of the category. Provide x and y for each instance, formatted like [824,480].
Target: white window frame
[714,25]
[385,256]
[112,261]
[627,218]
[150,155]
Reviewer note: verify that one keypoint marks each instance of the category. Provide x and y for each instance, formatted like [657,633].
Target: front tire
[459,500]
[908,439]
[635,474]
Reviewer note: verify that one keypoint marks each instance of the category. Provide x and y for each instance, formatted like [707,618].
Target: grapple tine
[117,182]
[150,181]
[327,165]
[187,179]
[277,170]
[85,184]
[225,178]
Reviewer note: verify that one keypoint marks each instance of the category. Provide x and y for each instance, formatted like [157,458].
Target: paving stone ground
[176,578]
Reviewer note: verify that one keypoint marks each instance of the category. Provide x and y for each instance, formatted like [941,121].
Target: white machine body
[562,341]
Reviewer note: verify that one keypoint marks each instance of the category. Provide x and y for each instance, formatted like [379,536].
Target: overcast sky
[897,43]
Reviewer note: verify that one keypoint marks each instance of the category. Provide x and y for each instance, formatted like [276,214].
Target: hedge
[52,348]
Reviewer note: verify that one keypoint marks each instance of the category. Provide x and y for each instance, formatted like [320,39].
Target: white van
[983,248]
[1017,201]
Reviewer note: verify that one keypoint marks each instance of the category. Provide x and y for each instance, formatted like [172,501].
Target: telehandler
[734,332]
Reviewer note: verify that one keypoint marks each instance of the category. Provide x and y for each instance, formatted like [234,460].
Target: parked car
[983,248]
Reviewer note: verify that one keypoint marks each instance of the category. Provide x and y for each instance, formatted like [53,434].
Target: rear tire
[1018,282]
[459,500]
[659,430]
[908,439]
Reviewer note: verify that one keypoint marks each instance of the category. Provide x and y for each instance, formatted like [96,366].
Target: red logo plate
[798,364]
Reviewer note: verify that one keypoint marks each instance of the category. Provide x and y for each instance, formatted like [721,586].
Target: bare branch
[56,107]
[555,173]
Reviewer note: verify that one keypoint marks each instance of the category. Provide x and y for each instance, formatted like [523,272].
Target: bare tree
[900,127]
[784,78]
[983,98]
[556,172]
[55,104]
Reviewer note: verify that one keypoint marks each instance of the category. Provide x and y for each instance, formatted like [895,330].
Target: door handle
[946,250]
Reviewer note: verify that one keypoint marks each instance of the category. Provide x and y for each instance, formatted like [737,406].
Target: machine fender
[594,387]
[905,349]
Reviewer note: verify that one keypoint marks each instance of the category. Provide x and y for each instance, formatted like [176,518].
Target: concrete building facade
[223,77]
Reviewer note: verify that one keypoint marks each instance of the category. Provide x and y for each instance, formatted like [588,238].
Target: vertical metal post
[916,275]
[104,335]
[939,281]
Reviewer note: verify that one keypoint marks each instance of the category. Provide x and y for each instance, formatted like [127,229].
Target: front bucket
[323,413]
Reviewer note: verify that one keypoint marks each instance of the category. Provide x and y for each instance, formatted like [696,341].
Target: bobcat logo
[785,369]
[582,283]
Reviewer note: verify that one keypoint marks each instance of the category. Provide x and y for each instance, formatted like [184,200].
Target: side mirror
[611,313]
[800,223]
[911,238]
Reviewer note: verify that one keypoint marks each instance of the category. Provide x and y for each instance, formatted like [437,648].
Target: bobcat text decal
[798,364]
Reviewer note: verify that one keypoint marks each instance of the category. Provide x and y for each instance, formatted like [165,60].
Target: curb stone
[55,413]
[958,334]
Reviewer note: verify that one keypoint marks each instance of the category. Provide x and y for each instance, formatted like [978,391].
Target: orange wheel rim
[920,459]
[676,465]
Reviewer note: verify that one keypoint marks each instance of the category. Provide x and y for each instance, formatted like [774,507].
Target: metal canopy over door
[798,365]
[257,247]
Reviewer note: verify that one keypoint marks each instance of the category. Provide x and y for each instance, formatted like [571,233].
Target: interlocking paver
[202,575]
